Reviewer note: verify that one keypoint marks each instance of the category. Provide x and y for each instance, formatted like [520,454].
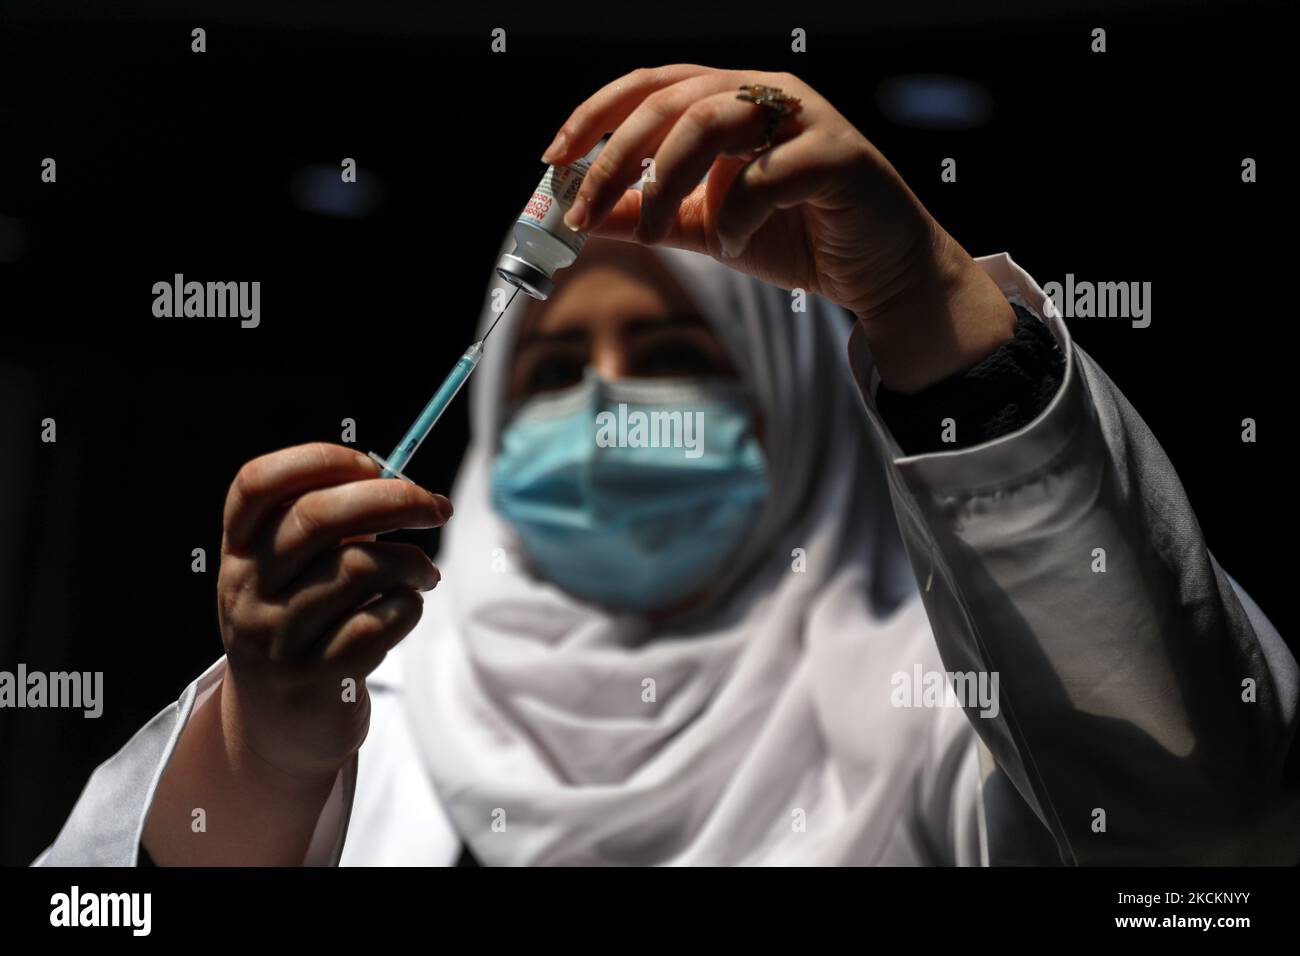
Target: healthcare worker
[645,655]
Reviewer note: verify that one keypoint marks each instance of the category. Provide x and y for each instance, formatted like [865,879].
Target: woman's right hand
[309,603]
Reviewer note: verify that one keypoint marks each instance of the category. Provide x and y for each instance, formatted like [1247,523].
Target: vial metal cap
[524,275]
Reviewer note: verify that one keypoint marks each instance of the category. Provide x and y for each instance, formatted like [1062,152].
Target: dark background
[1124,166]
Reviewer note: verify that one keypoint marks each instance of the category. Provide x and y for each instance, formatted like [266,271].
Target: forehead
[604,291]
[611,279]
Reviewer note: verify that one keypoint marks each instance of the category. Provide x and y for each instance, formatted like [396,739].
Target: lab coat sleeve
[106,823]
[1145,707]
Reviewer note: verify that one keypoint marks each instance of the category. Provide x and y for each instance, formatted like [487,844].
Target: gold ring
[777,104]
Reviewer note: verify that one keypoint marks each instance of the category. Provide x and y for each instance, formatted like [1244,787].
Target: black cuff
[1004,392]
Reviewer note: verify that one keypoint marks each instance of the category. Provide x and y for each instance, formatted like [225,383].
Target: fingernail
[555,149]
[576,217]
[440,502]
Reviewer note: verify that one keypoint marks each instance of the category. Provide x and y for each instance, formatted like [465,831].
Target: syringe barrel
[451,385]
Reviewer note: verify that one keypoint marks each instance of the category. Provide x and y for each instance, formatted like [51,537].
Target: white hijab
[770,737]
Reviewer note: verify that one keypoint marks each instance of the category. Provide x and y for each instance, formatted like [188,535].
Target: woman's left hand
[821,209]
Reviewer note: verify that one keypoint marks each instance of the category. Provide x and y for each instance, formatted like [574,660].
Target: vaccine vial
[543,243]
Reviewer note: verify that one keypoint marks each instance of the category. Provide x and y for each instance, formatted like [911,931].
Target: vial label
[552,199]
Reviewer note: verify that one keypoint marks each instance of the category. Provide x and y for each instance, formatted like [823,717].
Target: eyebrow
[675,320]
[634,326]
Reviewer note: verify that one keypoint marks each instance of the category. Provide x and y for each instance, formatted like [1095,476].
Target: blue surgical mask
[630,494]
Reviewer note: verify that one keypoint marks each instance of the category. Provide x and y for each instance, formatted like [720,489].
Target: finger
[717,124]
[265,484]
[341,581]
[362,641]
[687,232]
[321,519]
[605,109]
[786,175]
[621,161]
[692,229]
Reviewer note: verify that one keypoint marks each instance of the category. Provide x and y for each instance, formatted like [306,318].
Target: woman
[643,656]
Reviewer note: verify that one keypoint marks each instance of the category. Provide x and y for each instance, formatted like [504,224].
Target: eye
[677,358]
[553,372]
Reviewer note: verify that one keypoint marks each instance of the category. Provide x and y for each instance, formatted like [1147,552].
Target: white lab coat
[1121,692]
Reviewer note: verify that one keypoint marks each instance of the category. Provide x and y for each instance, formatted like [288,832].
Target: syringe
[459,375]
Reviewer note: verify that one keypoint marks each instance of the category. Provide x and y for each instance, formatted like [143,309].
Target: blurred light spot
[934,101]
[321,190]
[13,239]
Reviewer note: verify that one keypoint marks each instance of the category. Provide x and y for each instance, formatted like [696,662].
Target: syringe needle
[416,434]
[499,314]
